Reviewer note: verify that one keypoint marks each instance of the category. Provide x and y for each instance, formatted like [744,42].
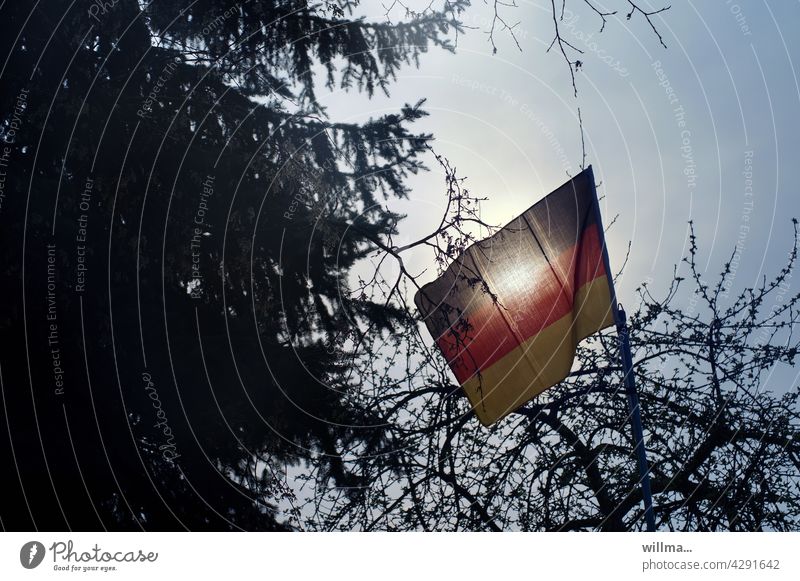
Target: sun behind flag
[509,312]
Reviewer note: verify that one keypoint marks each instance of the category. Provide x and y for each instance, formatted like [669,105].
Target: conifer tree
[201,214]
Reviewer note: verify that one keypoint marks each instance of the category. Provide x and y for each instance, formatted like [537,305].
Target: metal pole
[636,417]
[627,368]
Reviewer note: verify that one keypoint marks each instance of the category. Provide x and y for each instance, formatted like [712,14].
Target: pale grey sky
[669,131]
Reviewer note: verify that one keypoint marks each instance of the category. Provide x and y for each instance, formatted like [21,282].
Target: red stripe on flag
[527,314]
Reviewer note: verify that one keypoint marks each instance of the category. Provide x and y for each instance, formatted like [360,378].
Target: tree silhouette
[184,347]
[723,448]
[189,244]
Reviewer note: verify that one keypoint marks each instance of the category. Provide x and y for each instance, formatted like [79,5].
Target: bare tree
[724,450]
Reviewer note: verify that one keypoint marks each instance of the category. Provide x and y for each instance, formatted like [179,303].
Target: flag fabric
[509,312]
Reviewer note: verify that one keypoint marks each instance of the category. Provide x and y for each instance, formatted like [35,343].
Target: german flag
[509,312]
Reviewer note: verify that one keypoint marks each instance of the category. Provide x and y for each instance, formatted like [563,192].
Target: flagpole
[626,359]
[636,417]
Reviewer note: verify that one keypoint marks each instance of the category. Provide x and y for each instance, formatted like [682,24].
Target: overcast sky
[704,130]
[668,131]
